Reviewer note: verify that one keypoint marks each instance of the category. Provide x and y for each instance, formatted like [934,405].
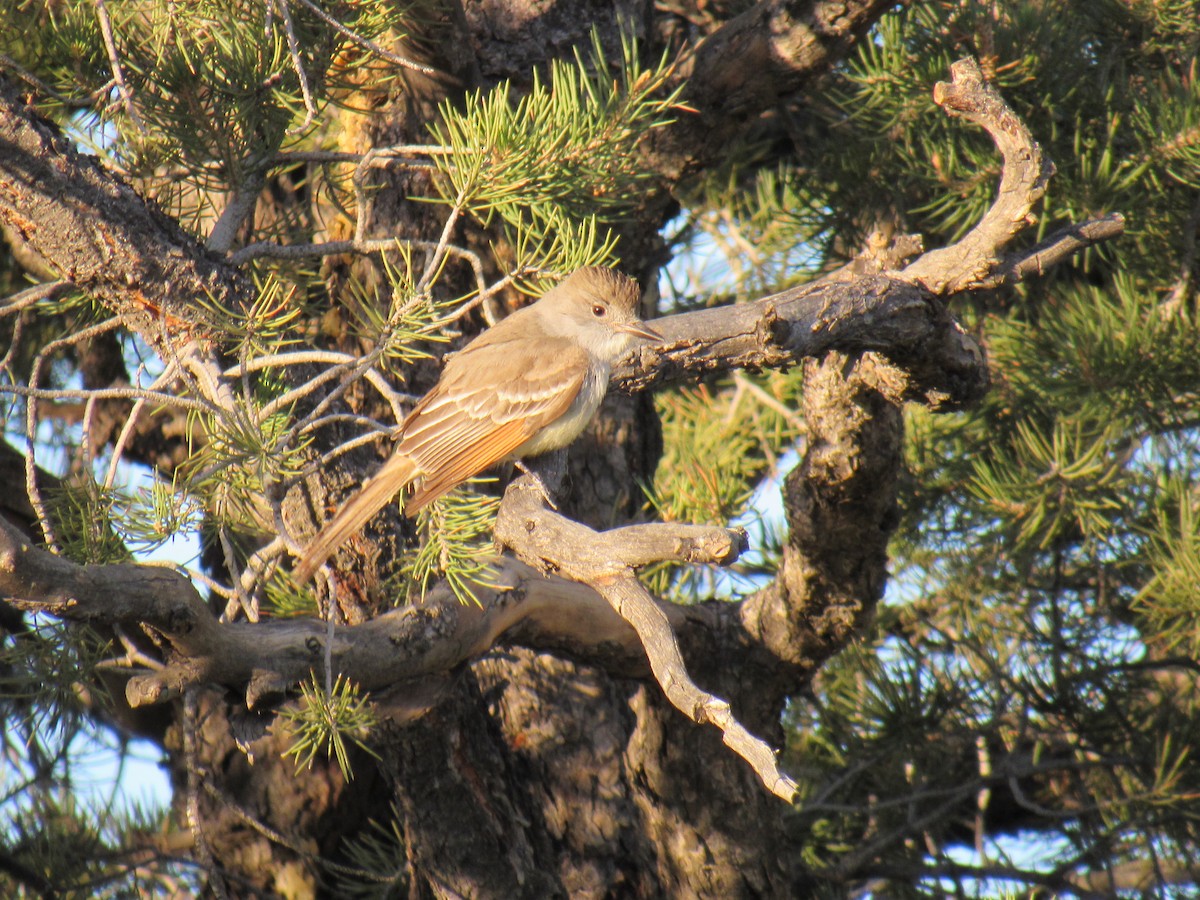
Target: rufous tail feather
[374,495]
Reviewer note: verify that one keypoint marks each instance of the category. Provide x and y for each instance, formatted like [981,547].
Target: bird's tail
[374,495]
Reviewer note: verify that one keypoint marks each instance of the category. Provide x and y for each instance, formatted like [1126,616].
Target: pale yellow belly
[563,430]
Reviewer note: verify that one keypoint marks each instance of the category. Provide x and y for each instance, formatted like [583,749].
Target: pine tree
[970,624]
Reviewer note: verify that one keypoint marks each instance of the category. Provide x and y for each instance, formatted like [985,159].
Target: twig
[271,250]
[365,42]
[83,394]
[394,398]
[134,654]
[1039,259]
[244,601]
[258,561]
[110,477]
[86,451]
[31,420]
[28,297]
[348,376]
[354,372]
[114,61]
[481,297]
[635,605]
[788,415]
[371,425]
[7,62]
[289,27]
[345,447]
[14,341]
[362,200]
[212,584]
[292,844]
[381,158]
[443,244]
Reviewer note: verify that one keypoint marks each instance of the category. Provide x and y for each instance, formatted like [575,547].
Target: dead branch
[1066,242]
[607,561]
[266,659]
[876,312]
[1023,181]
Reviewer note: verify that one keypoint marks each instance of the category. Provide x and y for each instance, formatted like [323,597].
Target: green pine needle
[563,152]
[323,723]
[456,545]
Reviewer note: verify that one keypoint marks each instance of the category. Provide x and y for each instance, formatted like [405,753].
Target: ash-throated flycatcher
[526,386]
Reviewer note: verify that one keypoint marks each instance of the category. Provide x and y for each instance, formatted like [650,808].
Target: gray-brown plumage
[526,386]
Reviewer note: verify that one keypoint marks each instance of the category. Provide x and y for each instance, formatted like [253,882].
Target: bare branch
[31,420]
[1065,242]
[165,378]
[28,297]
[289,27]
[271,250]
[127,393]
[7,62]
[1025,176]
[379,158]
[606,561]
[307,357]
[516,605]
[875,312]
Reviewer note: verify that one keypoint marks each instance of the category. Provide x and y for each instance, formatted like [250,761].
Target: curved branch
[607,561]
[1027,172]
[874,312]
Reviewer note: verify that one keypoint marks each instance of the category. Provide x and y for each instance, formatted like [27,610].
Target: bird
[526,386]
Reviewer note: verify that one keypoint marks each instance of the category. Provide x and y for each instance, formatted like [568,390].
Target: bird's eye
[598,311]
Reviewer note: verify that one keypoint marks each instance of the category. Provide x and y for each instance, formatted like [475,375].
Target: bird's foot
[537,480]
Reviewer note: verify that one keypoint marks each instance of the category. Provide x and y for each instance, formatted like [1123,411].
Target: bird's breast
[563,430]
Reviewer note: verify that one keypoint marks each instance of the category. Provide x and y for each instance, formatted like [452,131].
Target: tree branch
[607,561]
[875,312]
[98,234]
[747,66]
[265,659]
[1039,259]
[1023,181]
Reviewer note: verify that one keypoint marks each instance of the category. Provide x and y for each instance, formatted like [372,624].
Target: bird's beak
[640,329]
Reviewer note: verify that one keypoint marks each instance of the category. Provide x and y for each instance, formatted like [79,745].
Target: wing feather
[471,461]
[467,423]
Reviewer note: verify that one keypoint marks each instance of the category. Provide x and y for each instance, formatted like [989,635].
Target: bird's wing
[487,404]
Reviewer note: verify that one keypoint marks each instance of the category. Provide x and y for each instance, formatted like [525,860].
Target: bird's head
[598,308]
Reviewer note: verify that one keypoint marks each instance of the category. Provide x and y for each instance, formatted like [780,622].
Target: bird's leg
[537,482]
[550,471]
